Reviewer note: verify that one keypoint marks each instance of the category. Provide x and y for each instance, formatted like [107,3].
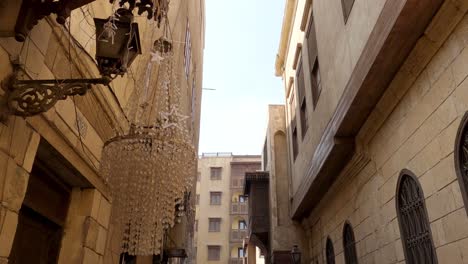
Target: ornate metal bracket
[155,9]
[32,11]
[31,97]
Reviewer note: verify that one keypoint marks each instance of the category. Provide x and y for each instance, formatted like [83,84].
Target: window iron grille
[414,224]
[349,245]
[330,252]
[461,158]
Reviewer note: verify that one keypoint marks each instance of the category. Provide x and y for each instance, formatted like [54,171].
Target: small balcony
[237,235]
[236,260]
[239,208]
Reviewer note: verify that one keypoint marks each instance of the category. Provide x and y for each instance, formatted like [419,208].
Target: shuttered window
[347,6]
[215,198]
[314,69]
[300,85]
[349,245]
[295,145]
[214,224]
[214,252]
[292,109]
[215,173]
[414,224]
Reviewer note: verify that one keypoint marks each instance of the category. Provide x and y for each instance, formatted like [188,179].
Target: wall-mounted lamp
[296,255]
[32,97]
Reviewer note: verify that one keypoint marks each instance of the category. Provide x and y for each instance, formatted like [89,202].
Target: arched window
[330,253]
[414,224]
[461,158]
[349,245]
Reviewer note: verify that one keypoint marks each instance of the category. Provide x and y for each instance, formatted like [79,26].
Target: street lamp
[31,97]
[296,255]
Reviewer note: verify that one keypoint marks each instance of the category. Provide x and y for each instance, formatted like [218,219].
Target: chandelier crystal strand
[150,168]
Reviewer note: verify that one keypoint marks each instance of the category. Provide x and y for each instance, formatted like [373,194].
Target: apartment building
[221,208]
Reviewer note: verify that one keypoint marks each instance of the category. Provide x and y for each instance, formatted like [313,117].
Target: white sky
[242,39]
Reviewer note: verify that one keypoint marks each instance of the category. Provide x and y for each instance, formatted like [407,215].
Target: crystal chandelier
[150,168]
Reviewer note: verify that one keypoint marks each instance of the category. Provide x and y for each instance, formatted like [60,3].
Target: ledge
[400,24]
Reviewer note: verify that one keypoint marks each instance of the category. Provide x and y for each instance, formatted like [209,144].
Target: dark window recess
[214,252]
[214,225]
[242,225]
[215,198]
[316,84]
[349,245]
[347,5]
[461,158]
[330,252]
[265,155]
[302,99]
[240,253]
[295,146]
[414,224]
[215,173]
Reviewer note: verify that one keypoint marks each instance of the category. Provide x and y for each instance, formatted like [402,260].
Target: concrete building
[375,124]
[55,207]
[221,208]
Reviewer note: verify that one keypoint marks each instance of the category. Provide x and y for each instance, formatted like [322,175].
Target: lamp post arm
[31,97]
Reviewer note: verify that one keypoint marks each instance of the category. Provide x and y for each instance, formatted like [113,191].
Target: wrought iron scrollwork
[414,223]
[156,9]
[31,97]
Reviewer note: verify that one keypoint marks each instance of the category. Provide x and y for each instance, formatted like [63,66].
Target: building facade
[55,206]
[375,124]
[221,208]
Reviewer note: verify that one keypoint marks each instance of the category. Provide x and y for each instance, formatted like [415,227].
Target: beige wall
[204,210]
[339,47]
[88,234]
[284,233]
[413,127]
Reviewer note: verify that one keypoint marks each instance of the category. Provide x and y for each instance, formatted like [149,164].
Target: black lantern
[296,255]
[117,42]
[117,46]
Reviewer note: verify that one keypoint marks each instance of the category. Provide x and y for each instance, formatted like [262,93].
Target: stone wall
[413,127]
[78,127]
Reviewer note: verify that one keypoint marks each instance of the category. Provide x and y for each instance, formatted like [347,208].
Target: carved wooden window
[292,111]
[347,5]
[461,158]
[414,224]
[300,85]
[187,50]
[314,69]
[349,245]
[330,252]
[295,146]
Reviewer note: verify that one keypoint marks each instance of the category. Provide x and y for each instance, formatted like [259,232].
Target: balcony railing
[237,235]
[236,261]
[239,208]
